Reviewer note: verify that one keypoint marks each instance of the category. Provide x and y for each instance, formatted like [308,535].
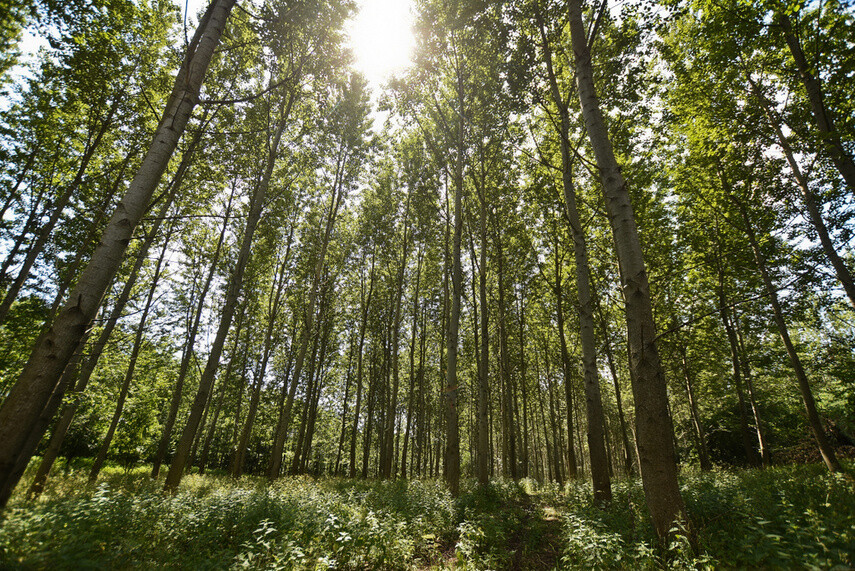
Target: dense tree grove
[574,240]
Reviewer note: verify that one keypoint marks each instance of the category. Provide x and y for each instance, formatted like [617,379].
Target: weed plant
[781,518]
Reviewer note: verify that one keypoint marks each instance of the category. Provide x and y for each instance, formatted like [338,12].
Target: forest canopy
[569,243]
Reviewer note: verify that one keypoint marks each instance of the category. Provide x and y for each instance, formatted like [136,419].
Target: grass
[779,518]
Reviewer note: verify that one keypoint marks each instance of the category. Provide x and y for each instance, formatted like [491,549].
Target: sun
[381,37]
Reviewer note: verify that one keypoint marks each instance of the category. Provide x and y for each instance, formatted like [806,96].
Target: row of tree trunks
[101,456]
[337,193]
[814,421]
[78,380]
[188,353]
[41,376]
[57,209]
[230,303]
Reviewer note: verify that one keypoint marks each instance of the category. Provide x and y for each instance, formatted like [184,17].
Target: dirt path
[537,542]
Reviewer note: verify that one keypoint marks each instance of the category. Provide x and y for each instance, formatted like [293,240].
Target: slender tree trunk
[814,421]
[504,363]
[829,137]
[412,391]
[101,456]
[184,367]
[482,449]
[314,368]
[369,416]
[572,465]
[52,450]
[755,410]
[593,398]
[703,451]
[654,430]
[557,463]
[524,390]
[40,377]
[751,456]
[325,327]
[209,435]
[627,449]
[366,304]
[348,381]
[391,415]
[452,446]
[274,305]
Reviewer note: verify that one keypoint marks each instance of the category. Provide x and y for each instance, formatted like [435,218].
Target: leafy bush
[295,524]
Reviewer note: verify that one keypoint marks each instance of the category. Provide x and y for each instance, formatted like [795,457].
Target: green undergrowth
[781,518]
[789,517]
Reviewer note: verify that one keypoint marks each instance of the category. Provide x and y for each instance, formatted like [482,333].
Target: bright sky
[382,38]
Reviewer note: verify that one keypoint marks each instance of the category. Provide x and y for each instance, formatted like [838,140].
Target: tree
[53,351]
[653,427]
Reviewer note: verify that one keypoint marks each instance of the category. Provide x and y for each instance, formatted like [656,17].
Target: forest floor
[784,517]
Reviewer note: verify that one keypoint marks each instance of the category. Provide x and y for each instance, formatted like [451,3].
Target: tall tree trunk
[523,389]
[101,456]
[366,303]
[452,444]
[482,449]
[369,415]
[593,398]
[391,415]
[504,362]
[412,391]
[566,367]
[274,305]
[314,368]
[829,137]
[184,367]
[182,452]
[654,430]
[814,421]
[324,329]
[40,377]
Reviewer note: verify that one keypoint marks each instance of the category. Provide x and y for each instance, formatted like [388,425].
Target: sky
[381,36]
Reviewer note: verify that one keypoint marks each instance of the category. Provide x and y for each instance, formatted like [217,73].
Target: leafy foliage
[782,517]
